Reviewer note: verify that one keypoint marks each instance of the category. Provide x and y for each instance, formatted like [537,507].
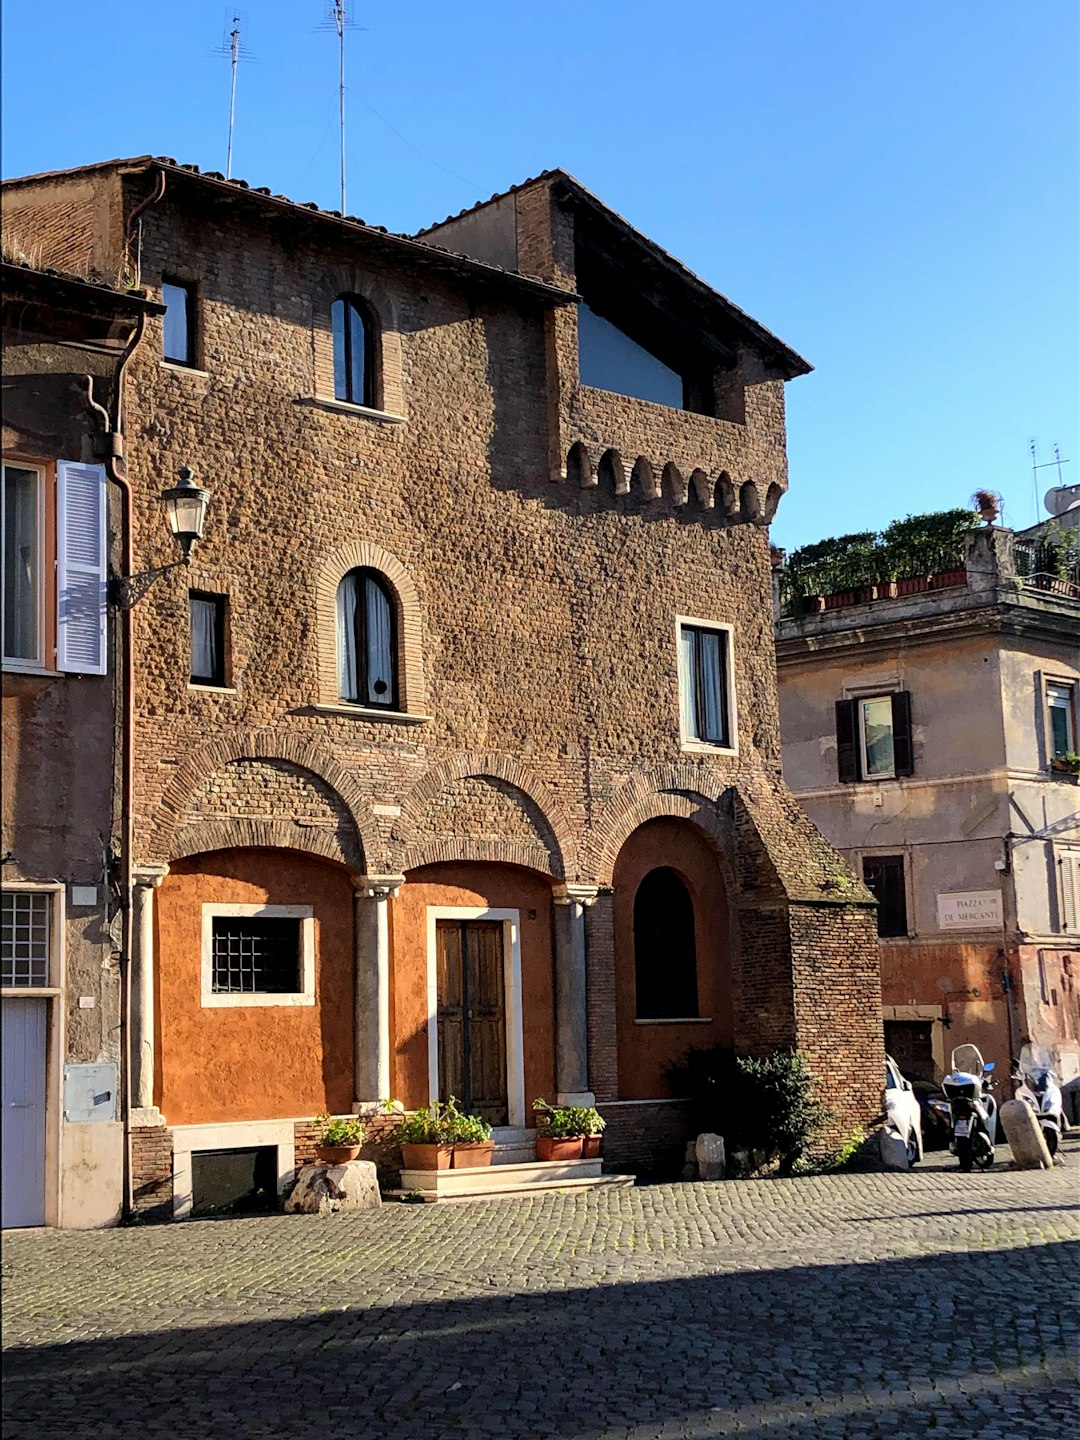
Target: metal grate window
[254,955]
[24,939]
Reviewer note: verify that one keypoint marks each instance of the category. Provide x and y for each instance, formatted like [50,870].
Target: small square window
[705,684]
[207,638]
[179,338]
[256,955]
[25,919]
[1061,716]
[884,877]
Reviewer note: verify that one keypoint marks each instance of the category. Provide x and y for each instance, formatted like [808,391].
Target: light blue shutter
[80,568]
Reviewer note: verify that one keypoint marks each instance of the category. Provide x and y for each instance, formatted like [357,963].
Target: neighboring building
[64,342]
[925,726]
[457,761]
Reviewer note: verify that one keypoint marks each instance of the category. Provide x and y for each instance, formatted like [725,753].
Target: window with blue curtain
[367,642]
[703,684]
[354,351]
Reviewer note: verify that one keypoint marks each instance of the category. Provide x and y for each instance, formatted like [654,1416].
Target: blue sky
[894,189]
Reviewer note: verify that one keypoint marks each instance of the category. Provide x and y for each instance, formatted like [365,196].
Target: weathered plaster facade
[540,539]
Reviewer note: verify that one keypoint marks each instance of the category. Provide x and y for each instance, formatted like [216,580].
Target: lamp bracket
[125,591]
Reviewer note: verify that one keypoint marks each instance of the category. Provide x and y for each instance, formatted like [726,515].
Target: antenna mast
[340,23]
[234,60]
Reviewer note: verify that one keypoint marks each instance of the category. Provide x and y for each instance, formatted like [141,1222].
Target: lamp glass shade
[185,506]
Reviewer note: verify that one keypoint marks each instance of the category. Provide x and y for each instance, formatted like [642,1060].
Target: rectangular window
[874,737]
[207,638]
[179,322]
[1061,714]
[256,955]
[23,569]
[705,684]
[884,877]
[25,919]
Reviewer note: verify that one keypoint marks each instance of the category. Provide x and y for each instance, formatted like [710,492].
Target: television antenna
[1036,466]
[339,18]
[232,46]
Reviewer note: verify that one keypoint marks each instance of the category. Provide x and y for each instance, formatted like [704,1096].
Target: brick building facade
[529,557]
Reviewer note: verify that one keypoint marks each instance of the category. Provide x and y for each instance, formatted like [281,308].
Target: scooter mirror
[990,1064]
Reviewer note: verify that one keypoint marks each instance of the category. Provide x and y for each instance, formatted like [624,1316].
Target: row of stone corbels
[738,504]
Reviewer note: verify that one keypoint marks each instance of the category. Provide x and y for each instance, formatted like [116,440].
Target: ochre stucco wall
[496,887]
[644,1050]
[262,1062]
[947,975]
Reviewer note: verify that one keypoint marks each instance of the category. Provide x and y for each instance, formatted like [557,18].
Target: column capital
[377,887]
[148,875]
[572,893]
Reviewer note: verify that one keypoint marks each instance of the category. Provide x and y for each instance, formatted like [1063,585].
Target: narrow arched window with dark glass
[665,948]
[354,351]
[367,640]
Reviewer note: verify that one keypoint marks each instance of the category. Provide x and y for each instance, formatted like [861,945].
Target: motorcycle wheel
[983,1158]
[963,1153]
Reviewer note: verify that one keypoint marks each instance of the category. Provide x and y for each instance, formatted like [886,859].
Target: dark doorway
[472,1016]
[911,1045]
[234,1181]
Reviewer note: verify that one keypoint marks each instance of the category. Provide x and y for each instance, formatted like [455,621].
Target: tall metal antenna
[1056,463]
[234,50]
[339,19]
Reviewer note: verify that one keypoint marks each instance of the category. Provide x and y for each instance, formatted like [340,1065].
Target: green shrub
[566,1122]
[342,1130]
[766,1105]
[441,1124]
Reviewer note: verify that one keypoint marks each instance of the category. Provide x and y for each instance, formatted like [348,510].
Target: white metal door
[22,1179]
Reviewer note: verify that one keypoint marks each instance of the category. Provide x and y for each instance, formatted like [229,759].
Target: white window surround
[36,663]
[1071,686]
[515,1049]
[57,893]
[232,1135]
[861,702]
[691,743]
[211,1000]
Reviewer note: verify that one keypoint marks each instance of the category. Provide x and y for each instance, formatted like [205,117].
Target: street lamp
[185,508]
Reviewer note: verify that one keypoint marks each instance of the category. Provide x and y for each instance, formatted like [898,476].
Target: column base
[368,1109]
[584,1098]
[144,1116]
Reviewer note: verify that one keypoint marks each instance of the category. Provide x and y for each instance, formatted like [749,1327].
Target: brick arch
[410,657]
[644,478]
[492,766]
[703,489]
[350,280]
[579,465]
[773,496]
[168,815]
[260,834]
[673,792]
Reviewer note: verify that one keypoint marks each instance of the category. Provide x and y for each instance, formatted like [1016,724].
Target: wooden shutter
[1069,868]
[847,749]
[903,751]
[80,568]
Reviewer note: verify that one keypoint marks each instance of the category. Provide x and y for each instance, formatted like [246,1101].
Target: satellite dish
[1062,498]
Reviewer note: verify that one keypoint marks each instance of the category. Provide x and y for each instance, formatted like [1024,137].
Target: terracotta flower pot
[336,1154]
[427,1157]
[471,1154]
[549,1148]
[590,1146]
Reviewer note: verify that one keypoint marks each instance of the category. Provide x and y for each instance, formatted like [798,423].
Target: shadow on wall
[873,1345]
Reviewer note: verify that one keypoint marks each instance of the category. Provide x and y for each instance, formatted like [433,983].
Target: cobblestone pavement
[933,1304]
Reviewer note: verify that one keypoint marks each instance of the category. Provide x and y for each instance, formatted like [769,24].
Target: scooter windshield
[966,1060]
[1034,1058]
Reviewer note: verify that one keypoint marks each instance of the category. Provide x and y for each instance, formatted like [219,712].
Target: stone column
[146,879]
[571,1017]
[371,1065]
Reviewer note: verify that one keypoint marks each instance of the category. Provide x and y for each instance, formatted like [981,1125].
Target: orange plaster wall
[262,1062]
[945,974]
[498,887]
[644,1050]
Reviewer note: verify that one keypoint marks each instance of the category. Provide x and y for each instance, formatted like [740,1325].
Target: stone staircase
[514,1170]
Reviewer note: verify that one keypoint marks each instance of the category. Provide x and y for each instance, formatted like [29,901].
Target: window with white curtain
[23,569]
[367,641]
[207,638]
[705,693]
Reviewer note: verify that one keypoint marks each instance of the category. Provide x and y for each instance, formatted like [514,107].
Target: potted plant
[1067,764]
[558,1132]
[338,1140]
[424,1137]
[591,1124]
[473,1145]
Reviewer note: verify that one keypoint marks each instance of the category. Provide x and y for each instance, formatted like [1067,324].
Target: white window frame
[23,662]
[1065,682]
[1068,867]
[691,742]
[861,701]
[214,1000]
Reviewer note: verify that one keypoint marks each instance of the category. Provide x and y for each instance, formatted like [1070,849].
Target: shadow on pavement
[887,1348]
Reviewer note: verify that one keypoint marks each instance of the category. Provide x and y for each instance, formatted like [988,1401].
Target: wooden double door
[472,1016]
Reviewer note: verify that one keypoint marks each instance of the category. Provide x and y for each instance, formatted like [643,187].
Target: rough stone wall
[152,1172]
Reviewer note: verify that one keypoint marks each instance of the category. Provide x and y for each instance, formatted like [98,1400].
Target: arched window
[665,953]
[354,351]
[367,640]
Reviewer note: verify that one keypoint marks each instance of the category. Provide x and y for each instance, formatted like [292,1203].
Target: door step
[506,1179]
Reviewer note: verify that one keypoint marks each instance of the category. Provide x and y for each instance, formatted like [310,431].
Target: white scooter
[1036,1084]
[972,1108]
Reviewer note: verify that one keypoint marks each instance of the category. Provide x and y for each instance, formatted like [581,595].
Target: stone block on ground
[709,1150]
[894,1151]
[325,1189]
[1025,1136]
